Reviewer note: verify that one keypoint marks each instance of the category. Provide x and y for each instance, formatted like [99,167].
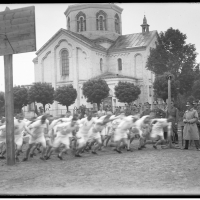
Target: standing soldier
[190,131]
[197,108]
[158,112]
[174,114]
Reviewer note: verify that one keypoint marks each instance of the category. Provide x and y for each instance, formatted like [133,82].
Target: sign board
[17,31]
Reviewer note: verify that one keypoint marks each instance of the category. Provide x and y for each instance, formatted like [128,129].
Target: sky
[49,18]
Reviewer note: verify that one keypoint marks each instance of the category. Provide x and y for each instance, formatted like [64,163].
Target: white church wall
[37,72]
[95,63]
[83,65]
[47,68]
[63,43]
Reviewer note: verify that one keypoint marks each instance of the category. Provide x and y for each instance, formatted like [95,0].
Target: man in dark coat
[174,114]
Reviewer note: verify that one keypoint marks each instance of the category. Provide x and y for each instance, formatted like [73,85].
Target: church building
[92,46]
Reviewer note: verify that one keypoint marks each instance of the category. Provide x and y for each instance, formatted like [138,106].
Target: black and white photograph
[100,99]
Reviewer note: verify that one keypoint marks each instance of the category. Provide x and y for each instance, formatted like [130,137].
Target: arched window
[81,22]
[101,23]
[64,63]
[117,25]
[101,17]
[119,64]
[68,23]
[101,64]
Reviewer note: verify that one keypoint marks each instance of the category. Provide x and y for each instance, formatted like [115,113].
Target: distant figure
[101,112]
[147,109]
[68,114]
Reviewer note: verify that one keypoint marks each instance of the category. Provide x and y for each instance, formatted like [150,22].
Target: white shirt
[65,129]
[126,123]
[37,128]
[85,124]
[19,126]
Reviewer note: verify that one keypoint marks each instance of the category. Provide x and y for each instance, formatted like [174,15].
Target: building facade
[92,46]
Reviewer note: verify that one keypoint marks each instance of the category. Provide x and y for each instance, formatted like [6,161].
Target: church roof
[109,75]
[125,42]
[74,35]
[82,37]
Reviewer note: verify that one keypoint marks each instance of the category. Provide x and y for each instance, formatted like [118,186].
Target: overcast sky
[50,18]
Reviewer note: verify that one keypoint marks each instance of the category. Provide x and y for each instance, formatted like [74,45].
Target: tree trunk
[36,110]
[98,106]
[67,108]
[44,107]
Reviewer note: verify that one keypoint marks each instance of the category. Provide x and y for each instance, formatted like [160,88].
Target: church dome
[95,20]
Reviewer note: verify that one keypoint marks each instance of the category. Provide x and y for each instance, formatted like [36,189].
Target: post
[169,106]
[9,109]
[169,94]
[169,77]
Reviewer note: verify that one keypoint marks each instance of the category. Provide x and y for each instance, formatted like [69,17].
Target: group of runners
[47,134]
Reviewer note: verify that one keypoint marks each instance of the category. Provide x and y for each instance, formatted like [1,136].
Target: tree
[173,55]
[65,95]
[161,86]
[197,72]
[41,93]
[95,90]
[20,95]
[2,103]
[196,89]
[127,92]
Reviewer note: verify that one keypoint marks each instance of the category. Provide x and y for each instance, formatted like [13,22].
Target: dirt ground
[149,171]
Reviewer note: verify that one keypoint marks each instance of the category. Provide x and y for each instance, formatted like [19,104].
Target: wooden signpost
[17,35]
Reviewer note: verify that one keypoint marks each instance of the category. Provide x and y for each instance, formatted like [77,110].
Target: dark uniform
[175,115]
[198,122]
[159,113]
[146,112]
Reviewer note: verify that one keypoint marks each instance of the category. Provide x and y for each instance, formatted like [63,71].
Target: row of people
[91,132]
[81,134]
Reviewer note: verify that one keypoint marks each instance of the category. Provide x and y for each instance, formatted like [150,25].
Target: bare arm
[27,130]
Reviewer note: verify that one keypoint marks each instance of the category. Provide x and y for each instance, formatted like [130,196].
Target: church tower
[145,26]
[95,20]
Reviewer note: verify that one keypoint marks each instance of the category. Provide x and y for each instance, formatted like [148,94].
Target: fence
[60,112]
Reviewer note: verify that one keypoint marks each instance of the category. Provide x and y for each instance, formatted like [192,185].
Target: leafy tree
[95,90]
[2,103]
[41,93]
[186,81]
[65,95]
[20,95]
[196,89]
[197,72]
[173,55]
[127,92]
[161,86]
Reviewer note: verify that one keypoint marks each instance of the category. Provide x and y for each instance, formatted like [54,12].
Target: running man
[37,130]
[121,132]
[63,134]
